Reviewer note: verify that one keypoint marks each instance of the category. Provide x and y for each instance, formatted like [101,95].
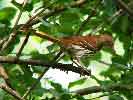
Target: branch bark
[64,67]
[11,92]
[95,89]
[125,7]
[93,12]
[57,10]
[14,30]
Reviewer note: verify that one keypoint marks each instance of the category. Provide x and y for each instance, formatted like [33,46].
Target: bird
[80,46]
[86,46]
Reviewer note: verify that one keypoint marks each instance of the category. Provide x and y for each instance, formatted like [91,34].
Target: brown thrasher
[80,46]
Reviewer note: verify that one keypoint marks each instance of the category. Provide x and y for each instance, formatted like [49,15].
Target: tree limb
[10,91]
[95,89]
[125,7]
[33,86]
[23,44]
[93,12]
[57,10]
[64,67]
[14,31]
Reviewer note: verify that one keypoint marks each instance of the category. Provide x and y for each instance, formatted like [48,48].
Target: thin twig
[45,36]
[40,77]
[5,76]
[93,12]
[19,16]
[34,85]
[14,31]
[28,33]
[121,66]
[38,14]
[30,23]
[2,41]
[125,7]
[64,67]
[4,46]
[11,92]
[57,10]
[110,19]
[112,87]
[103,95]
[23,45]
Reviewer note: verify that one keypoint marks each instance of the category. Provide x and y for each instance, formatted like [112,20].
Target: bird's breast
[80,46]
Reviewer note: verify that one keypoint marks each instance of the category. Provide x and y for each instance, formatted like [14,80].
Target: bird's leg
[80,65]
[58,56]
[76,61]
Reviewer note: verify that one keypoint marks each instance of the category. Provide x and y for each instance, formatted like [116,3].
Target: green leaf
[77,82]
[38,91]
[110,7]
[78,97]
[6,17]
[57,87]
[12,45]
[16,4]
[37,39]
[124,24]
[119,60]
[4,30]
[116,97]
[36,1]
[28,7]
[37,55]
[68,22]
[65,97]
[1,93]
[127,77]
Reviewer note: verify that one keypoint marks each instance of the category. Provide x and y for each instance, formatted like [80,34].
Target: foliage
[61,24]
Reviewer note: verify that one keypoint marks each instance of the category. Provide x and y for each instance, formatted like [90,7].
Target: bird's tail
[42,35]
[46,36]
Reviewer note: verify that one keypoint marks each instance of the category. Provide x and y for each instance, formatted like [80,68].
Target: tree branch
[23,44]
[30,23]
[33,86]
[10,91]
[57,10]
[5,76]
[95,89]
[111,20]
[93,12]
[64,67]
[2,41]
[125,7]
[14,31]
